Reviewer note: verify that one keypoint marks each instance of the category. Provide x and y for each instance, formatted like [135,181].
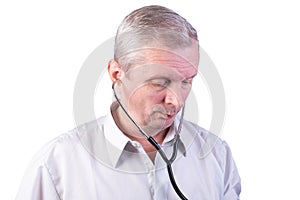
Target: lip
[168,116]
[166,119]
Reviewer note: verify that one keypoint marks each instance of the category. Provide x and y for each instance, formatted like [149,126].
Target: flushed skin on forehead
[182,59]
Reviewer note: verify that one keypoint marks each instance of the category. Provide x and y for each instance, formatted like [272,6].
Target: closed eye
[187,81]
[160,82]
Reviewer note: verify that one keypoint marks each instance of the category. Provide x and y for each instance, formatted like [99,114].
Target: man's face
[155,89]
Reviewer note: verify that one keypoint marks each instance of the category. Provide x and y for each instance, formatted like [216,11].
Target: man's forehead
[160,70]
[159,60]
[187,54]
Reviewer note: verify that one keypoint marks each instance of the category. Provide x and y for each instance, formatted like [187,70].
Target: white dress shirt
[97,161]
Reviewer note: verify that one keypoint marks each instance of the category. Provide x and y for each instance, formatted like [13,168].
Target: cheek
[146,96]
[186,93]
[141,102]
[137,100]
[183,96]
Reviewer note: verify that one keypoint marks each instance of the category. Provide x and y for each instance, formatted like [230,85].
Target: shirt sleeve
[232,181]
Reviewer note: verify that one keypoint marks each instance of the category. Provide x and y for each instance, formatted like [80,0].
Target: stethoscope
[157,146]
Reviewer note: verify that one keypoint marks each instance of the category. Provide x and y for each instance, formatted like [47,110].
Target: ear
[115,70]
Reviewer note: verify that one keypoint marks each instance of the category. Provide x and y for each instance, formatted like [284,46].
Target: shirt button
[150,167]
[136,145]
[152,190]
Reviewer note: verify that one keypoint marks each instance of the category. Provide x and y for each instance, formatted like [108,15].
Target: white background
[254,45]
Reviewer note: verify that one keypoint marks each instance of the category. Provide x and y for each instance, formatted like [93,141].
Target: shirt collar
[114,136]
[169,139]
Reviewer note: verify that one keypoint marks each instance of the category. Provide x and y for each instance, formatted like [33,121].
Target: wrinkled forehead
[152,71]
[181,63]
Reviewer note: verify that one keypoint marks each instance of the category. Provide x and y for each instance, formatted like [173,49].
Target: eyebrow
[158,77]
[193,76]
[168,78]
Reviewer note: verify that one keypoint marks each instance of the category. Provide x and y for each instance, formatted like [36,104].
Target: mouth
[169,116]
[166,116]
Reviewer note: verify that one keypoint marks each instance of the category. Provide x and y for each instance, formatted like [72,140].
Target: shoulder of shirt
[65,142]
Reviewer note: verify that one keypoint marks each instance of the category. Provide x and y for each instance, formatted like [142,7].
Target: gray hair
[151,27]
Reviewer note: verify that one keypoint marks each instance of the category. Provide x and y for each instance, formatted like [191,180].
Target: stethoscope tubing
[157,146]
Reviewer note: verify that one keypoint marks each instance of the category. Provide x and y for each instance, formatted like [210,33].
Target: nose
[172,98]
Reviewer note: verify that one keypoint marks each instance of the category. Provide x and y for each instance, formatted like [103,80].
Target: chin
[159,125]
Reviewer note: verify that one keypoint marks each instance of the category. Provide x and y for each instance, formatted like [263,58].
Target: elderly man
[143,148]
